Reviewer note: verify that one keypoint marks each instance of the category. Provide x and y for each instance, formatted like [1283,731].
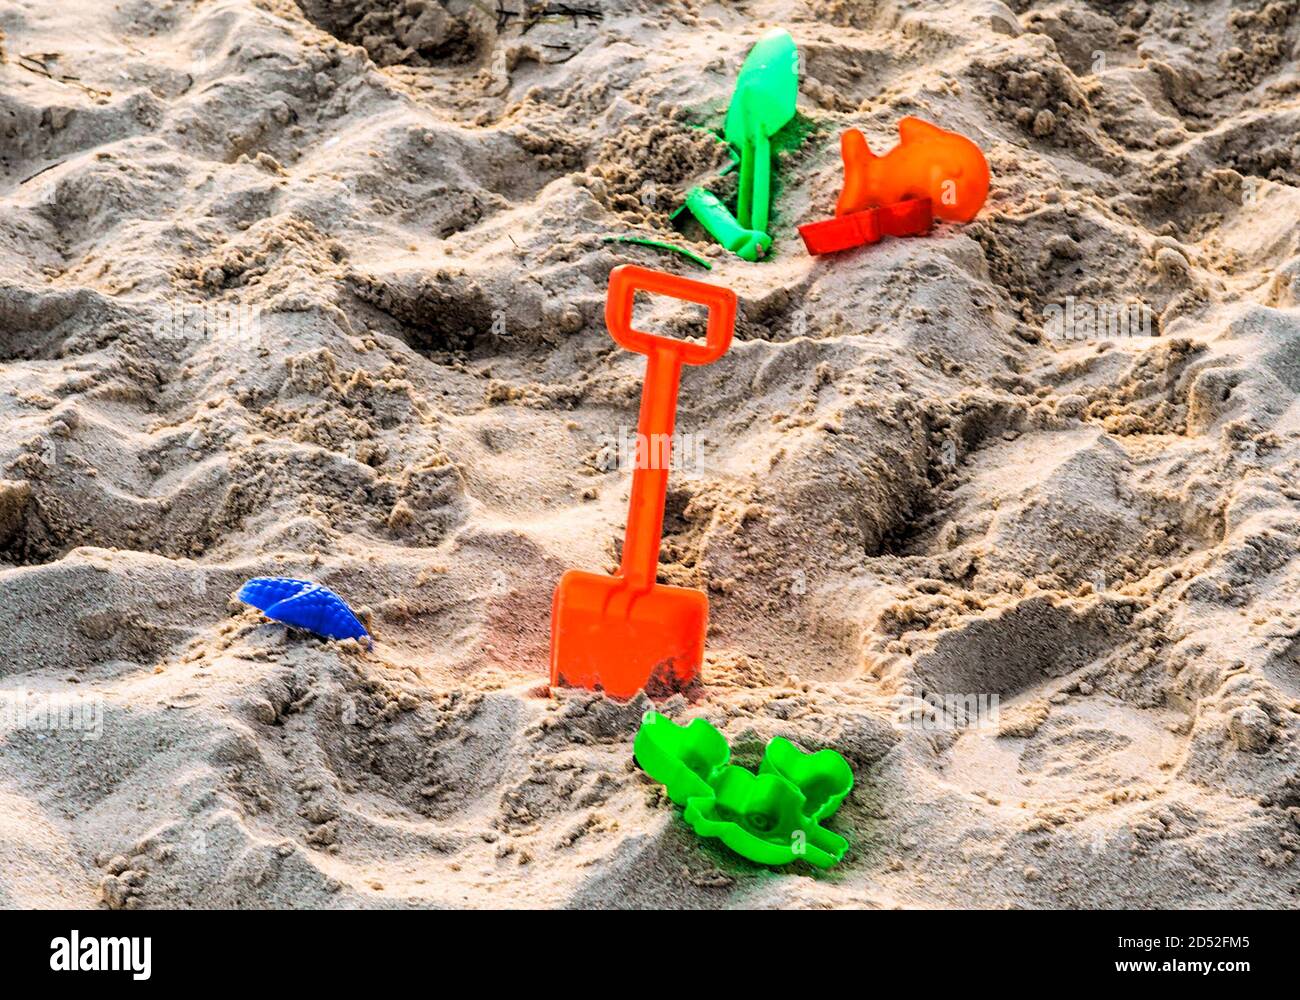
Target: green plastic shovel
[767,90]
[763,102]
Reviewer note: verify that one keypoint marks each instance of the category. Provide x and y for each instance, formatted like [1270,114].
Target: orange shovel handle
[664,360]
[628,279]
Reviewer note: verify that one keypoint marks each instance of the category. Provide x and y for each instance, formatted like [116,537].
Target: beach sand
[316,290]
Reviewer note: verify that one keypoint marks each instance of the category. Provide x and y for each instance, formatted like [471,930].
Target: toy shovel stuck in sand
[625,633]
[767,91]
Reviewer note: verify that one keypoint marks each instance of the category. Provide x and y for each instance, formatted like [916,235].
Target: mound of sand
[316,290]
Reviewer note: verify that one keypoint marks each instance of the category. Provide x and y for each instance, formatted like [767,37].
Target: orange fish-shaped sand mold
[928,162]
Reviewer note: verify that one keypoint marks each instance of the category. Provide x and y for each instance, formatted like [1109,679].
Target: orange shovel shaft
[645,516]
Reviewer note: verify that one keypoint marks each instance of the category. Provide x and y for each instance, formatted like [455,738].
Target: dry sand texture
[318,292]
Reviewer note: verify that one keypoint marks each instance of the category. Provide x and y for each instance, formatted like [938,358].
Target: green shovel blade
[766,94]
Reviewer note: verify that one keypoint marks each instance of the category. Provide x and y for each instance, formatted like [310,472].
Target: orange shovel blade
[605,636]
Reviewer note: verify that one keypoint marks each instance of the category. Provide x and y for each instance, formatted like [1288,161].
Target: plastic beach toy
[905,218]
[773,817]
[764,818]
[625,632]
[765,98]
[767,89]
[303,605]
[930,173]
[928,162]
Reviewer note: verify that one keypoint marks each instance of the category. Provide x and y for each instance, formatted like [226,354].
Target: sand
[316,290]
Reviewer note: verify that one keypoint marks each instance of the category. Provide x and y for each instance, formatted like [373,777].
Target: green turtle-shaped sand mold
[773,817]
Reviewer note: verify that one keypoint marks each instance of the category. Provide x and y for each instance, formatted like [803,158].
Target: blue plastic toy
[303,605]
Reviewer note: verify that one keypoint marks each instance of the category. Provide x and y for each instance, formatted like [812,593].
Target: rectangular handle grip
[627,279]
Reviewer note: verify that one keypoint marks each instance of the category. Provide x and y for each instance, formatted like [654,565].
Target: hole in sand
[414,33]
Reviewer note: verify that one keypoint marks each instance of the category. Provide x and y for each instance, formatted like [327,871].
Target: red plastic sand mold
[625,633]
[844,232]
[931,173]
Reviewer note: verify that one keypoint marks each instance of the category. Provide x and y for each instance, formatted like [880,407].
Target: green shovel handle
[748,244]
[761,182]
[745,187]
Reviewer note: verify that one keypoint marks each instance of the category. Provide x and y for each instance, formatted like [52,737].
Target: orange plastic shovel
[623,633]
